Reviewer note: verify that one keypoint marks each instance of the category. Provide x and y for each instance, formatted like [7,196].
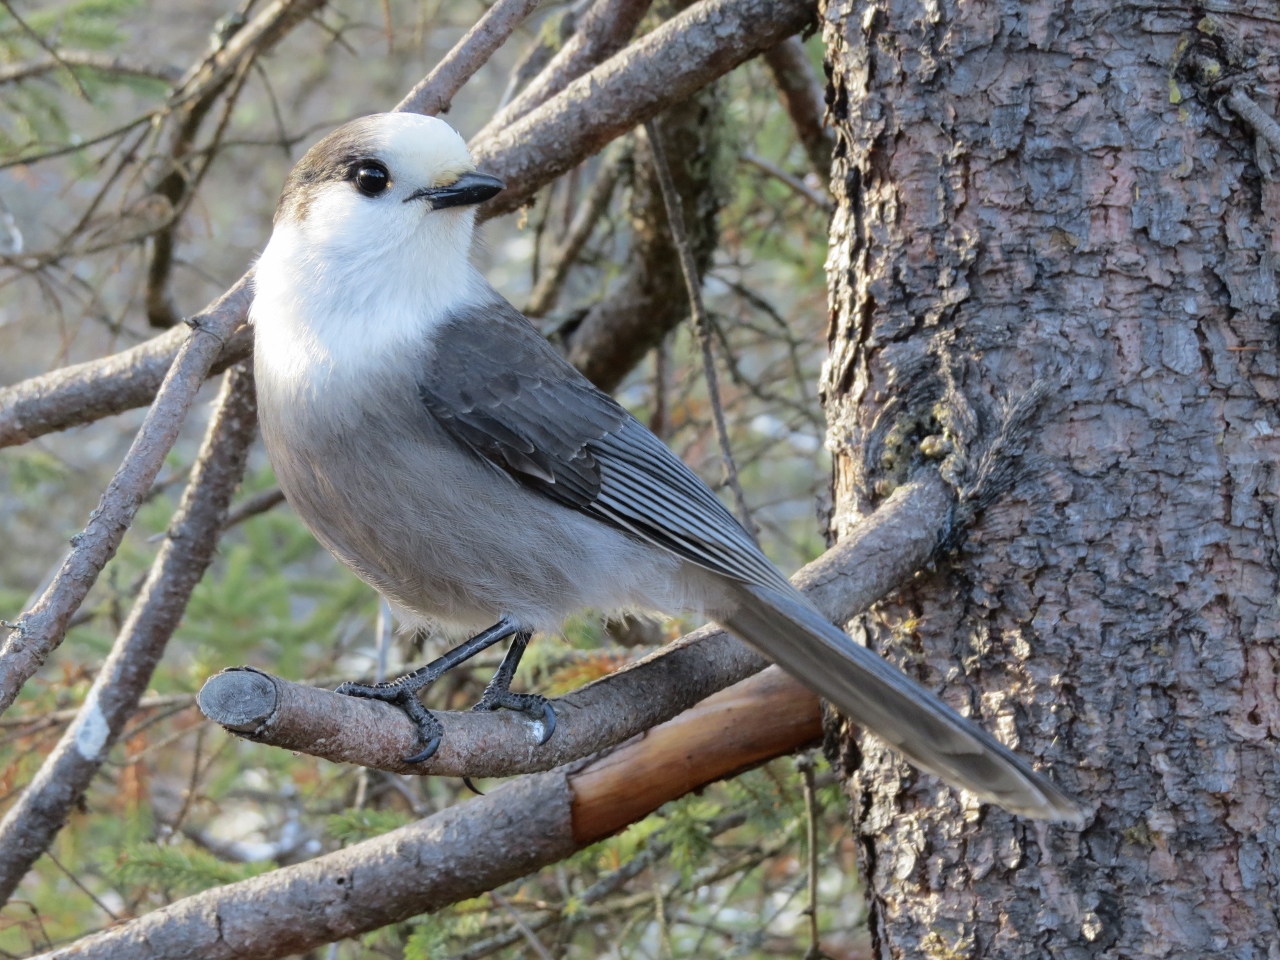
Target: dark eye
[371,179]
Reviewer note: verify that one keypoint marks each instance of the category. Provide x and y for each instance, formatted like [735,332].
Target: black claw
[402,693]
[426,753]
[472,787]
[548,723]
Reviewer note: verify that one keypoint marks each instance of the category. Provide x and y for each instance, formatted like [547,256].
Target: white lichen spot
[1091,926]
[92,730]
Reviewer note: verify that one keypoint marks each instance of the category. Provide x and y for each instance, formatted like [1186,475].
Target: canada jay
[450,456]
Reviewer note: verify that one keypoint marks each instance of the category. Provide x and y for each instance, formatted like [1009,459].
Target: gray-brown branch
[665,68]
[600,33]
[57,788]
[472,847]
[802,98]
[435,92]
[41,628]
[879,554]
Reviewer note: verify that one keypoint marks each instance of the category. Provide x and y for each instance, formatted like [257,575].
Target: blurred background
[120,213]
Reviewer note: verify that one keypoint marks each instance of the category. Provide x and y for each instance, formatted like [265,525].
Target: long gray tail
[869,691]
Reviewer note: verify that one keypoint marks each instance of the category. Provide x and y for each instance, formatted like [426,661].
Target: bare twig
[805,765]
[701,325]
[584,223]
[43,626]
[874,557]
[529,935]
[802,99]
[253,506]
[600,33]
[470,848]
[794,184]
[53,793]
[55,717]
[46,47]
[436,91]
[639,311]
[87,60]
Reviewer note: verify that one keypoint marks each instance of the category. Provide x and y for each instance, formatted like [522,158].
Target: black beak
[468,189]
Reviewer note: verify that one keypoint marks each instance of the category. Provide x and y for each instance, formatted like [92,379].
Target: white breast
[328,315]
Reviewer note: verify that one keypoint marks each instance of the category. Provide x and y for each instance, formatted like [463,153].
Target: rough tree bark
[1026,196]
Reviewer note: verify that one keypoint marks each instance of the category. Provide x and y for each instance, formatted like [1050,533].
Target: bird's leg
[403,692]
[498,693]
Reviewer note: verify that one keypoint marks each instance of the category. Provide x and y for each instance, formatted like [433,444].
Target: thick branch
[188,547]
[661,69]
[686,53]
[471,847]
[879,554]
[43,626]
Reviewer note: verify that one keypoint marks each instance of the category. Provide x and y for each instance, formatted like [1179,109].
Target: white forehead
[412,142]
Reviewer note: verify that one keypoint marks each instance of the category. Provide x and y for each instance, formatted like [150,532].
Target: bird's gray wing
[502,390]
[499,388]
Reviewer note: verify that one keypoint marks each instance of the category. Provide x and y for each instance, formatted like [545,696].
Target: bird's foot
[536,706]
[403,696]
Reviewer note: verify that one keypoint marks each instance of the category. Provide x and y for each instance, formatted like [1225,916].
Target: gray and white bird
[448,454]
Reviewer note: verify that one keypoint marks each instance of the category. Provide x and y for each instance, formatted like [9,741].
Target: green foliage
[181,868]
[29,469]
[428,941]
[352,826]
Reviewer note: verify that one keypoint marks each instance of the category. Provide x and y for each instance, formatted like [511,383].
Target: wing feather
[496,384]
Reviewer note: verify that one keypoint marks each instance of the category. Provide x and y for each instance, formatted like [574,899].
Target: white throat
[334,305]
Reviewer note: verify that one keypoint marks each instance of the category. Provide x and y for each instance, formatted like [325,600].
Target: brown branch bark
[801,97]
[43,626]
[472,847]
[600,33]
[880,552]
[664,68]
[189,544]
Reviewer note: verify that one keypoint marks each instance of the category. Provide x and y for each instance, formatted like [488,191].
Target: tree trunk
[1050,241]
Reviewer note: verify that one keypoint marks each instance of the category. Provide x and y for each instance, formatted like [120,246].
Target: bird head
[386,180]
[371,242]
